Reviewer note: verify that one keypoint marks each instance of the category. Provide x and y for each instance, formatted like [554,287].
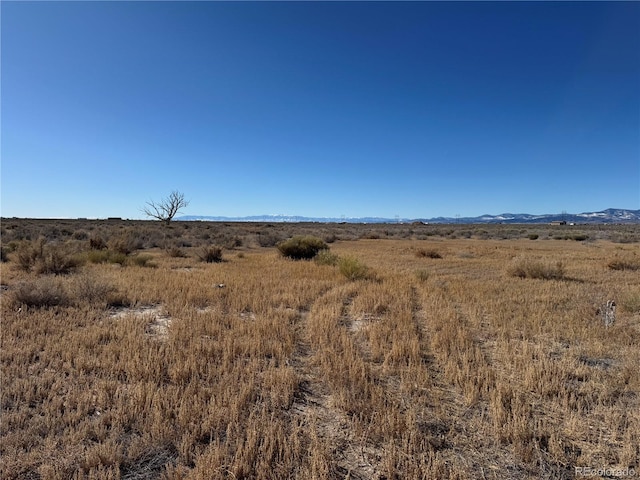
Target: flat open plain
[454,352]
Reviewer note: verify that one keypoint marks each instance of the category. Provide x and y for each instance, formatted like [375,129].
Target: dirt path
[315,404]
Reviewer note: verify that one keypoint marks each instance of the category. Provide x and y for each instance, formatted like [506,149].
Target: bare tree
[167,208]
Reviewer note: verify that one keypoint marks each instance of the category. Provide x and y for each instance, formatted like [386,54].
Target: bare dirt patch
[361,322]
[159,320]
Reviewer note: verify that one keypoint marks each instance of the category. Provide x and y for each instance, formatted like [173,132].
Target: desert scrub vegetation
[124,243]
[175,252]
[354,269]
[97,243]
[143,260]
[151,234]
[631,302]
[51,291]
[524,267]
[122,259]
[301,247]
[257,367]
[46,259]
[325,257]
[42,292]
[106,256]
[422,275]
[428,253]
[210,254]
[628,263]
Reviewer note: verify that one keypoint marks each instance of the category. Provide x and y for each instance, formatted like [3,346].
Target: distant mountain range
[611,215]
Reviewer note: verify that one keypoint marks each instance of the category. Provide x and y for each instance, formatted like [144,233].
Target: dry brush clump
[42,292]
[325,257]
[530,268]
[210,254]
[628,263]
[302,247]
[43,258]
[267,368]
[82,290]
[354,269]
[428,253]
[175,252]
[124,243]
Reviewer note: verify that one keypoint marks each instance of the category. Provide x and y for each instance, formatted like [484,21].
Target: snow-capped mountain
[290,219]
[610,215]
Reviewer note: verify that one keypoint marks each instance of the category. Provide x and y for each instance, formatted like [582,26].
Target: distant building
[559,222]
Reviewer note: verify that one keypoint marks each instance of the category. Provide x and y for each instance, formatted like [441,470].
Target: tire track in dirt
[315,402]
[466,443]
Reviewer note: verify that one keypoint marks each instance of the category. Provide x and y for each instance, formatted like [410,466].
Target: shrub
[631,303]
[124,243]
[330,238]
[57,262]
[116,257]
[325,257]
[427,253]
[97,243]
[233,242]
[3,254]
[527,268]
[624,264]
[625,238]
[12,246]
[353,269]
[41,293]
[370,236]
[533,236]
[97,256]
[87,288]
[176,252]
[210,254]
[142,261]
[422,275]
[301,247]
[28,254]
[80,235]
[106,256]
[46,259]
[269,239]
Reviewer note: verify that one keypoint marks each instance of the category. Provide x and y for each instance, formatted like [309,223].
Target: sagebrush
[302,247]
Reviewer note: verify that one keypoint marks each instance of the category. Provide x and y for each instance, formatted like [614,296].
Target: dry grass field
[420,355]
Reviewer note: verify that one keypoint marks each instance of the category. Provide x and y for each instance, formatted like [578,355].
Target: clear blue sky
[415,109]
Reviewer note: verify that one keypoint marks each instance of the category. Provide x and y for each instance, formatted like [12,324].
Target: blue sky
[416,109]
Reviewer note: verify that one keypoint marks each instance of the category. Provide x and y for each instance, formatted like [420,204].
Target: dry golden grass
[264,367]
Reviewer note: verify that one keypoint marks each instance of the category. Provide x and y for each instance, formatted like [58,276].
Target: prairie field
[401,352]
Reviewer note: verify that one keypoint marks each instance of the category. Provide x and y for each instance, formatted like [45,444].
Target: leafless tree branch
[167,208]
